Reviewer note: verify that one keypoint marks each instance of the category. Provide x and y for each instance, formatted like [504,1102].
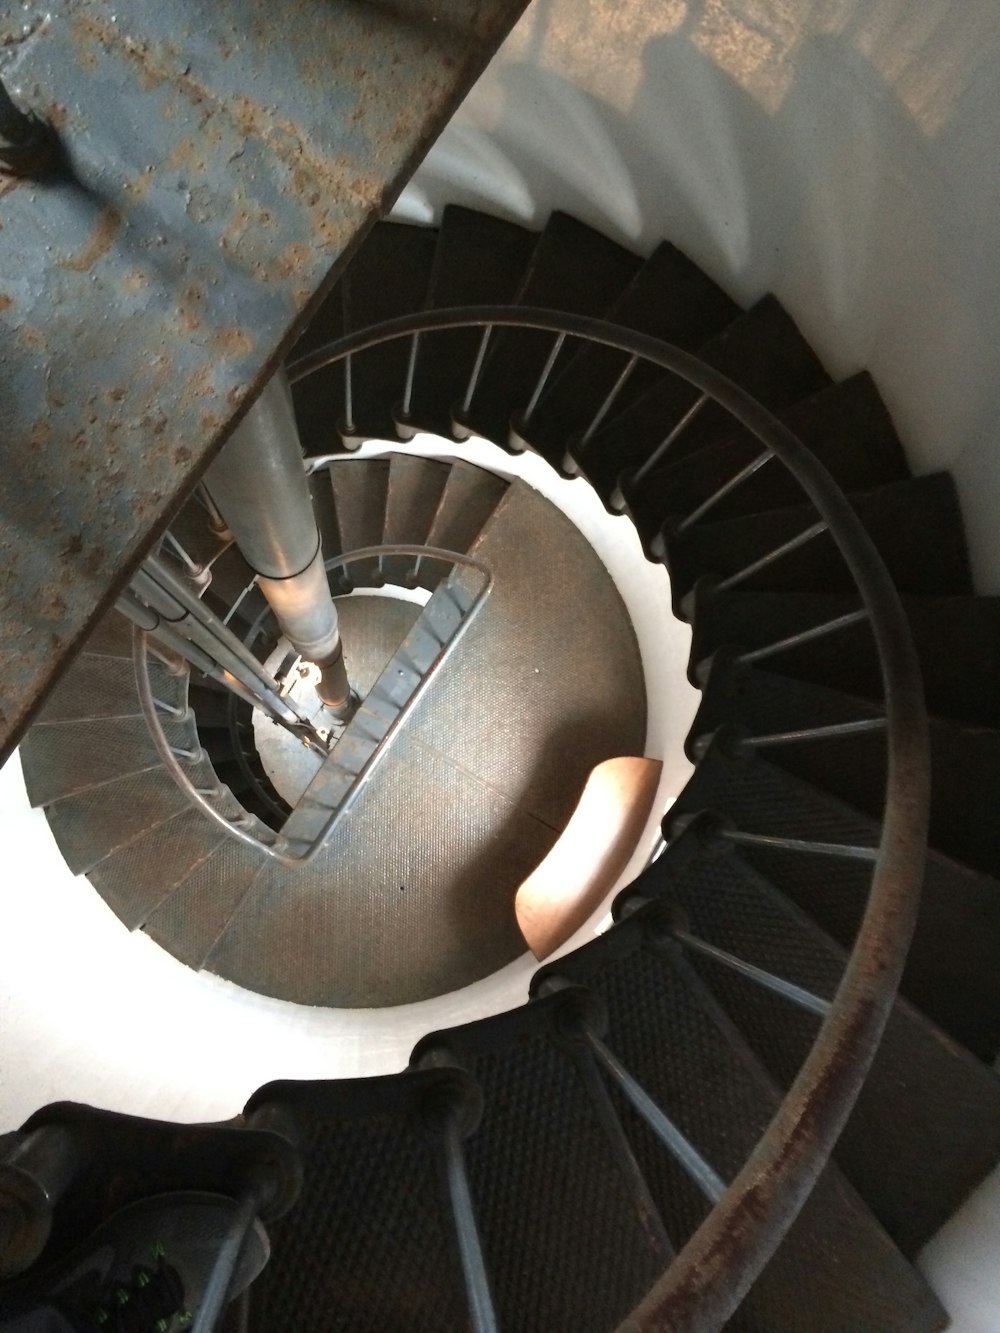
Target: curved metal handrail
[708,1279]
[173,766]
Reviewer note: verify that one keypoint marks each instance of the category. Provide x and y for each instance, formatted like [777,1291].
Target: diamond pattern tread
[360,488]
[959,684]
[414,491]
[950,974]
[762,351]
[913,1169]
[370,1244]
[669,298]
[836,1261]
[562,1240]
[846,425]
[916,525]
[61,758]
[478,260]
[98,686]
[188,922]
[965,760]
[388,276]
[104,819]
[572,268]
[110,637]
[136,879]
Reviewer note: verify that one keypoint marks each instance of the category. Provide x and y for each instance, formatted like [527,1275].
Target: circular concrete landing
[413,895]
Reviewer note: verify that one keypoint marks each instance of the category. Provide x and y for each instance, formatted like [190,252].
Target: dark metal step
[916,525]
[61,758]
[959,683]
[669,298]
[836,1261]
[573,267]
[762,350]
[389,276]
[951,972]
[135,880]
[562,1239]
[846,425]
[470,497]
[414,491]
[360,489]
[478,260]
[370,1243]
[96,823]
[965,760]
[189,921]
[97,686]
[110,637]
[926,1128]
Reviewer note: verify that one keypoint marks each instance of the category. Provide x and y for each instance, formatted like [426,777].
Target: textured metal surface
[96,823]
[470,496]
[563,1243]
[548,682]
[360,488]
[60,758]
[136,879]
[847,426]
[415,489]
[951,972]
[926,1128]
[960,683]
[190,920]
[370,1245]
[669,298]
[97,686]
[915,524]
[836,1262]
[178,256]
[414,894]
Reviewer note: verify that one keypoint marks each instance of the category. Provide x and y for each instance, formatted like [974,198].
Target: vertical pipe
[259,486]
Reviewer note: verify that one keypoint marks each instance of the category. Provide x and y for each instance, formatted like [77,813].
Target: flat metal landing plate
[414,894]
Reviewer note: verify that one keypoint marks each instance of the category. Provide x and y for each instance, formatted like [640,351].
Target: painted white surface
[961,1262]
[841,153]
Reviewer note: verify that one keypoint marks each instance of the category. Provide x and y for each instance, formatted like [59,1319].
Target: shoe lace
[151,1301]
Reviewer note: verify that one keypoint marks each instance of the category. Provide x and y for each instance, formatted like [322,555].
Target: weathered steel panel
[219,162]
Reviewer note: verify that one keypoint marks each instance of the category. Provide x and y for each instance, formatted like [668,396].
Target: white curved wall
[841,153]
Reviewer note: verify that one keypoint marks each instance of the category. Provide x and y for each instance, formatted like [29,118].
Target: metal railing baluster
[798,995]
[608,403]
[543,377]
[785,548]
[850,852]
[726,489]
[817,733]
[477,1283]
[804,636]
[656,456]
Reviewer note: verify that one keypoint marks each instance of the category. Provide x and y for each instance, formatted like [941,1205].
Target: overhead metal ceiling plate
[219,163]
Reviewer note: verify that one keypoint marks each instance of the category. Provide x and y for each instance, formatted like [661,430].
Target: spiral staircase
[597,1126]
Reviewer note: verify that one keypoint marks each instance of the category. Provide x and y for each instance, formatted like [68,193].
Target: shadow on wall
[831,151]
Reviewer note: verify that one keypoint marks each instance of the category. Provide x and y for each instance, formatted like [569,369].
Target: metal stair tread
[965,759]
[478,260]
[414,491]
[360,488]
[668,298]
[836,1260]
[960,684]
[97,686]
[762,350]
[951,972]
[572,267]
[470,497]
[846,425]
[916,525]
[913,1170]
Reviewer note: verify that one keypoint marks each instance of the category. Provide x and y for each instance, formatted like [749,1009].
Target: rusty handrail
[706,1282]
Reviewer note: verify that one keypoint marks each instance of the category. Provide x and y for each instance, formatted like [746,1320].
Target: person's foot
[145,1269]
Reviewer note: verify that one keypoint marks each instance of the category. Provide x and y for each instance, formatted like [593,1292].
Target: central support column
[259,486]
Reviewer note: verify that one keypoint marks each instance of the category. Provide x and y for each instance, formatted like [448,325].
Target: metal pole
[259,486]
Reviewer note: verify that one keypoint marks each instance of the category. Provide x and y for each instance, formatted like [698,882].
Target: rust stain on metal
[5,301]
[100,241]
